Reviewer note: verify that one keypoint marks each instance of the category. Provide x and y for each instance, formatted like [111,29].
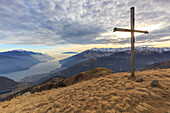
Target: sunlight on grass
[108,94]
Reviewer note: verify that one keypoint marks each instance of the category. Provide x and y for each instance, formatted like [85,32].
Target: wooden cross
[132,30]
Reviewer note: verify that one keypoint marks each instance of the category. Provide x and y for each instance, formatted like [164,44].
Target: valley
[17,64]
[40,68]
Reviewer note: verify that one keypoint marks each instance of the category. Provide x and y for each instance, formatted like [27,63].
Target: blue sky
[73,25]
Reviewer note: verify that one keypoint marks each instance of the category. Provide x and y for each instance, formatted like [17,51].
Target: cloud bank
[52,22]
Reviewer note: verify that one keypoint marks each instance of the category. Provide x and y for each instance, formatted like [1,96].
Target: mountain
[146,49]
[83,56]
[117,59]
[160,65]
[101,52]
[19,53]
[7,84]
[118,62]
[18,60]
[113,92]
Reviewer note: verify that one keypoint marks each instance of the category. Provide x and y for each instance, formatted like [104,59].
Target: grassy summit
[112,93]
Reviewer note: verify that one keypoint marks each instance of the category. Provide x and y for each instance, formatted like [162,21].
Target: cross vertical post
[132,42]
[132,30]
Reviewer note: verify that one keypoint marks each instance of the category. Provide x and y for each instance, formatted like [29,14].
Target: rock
[27,93]
[139,79]
[154,83]
[129,88]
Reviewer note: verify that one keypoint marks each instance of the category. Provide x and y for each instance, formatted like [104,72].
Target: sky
[56,26]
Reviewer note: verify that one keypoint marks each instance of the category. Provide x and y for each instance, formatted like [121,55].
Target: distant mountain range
[101,52]
[83,56]
[116,59]
[118,62]
[159,50]
[18,60]
[19,53]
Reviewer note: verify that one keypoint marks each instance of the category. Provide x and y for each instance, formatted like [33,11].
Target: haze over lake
[40,68]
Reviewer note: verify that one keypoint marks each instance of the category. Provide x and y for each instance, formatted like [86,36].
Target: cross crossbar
[128,30]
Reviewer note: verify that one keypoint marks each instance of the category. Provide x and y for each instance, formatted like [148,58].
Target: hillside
[113,93]
[7,84]
[57,82]
[160,65]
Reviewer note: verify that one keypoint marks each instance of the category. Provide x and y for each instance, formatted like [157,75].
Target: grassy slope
[111,93]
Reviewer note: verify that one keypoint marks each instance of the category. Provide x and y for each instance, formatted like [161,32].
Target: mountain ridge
[101,52]
[160,50]
[19,52]
[160,65]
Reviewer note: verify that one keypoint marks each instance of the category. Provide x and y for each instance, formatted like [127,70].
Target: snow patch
[137,49]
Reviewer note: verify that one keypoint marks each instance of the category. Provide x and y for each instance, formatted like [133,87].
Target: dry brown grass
[114,93]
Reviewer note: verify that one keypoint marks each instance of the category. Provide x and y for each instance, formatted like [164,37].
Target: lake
[41,68]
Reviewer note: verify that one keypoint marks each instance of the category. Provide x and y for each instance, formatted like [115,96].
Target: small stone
[27,93]
[139,79]
[129,88]
[154,83]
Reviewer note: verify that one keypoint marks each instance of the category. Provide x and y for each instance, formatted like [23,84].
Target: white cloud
[51,22]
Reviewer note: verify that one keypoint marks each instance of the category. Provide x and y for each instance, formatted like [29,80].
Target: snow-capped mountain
[117,59]
[137,49]
[118,62]
[101,52]
[83,56]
